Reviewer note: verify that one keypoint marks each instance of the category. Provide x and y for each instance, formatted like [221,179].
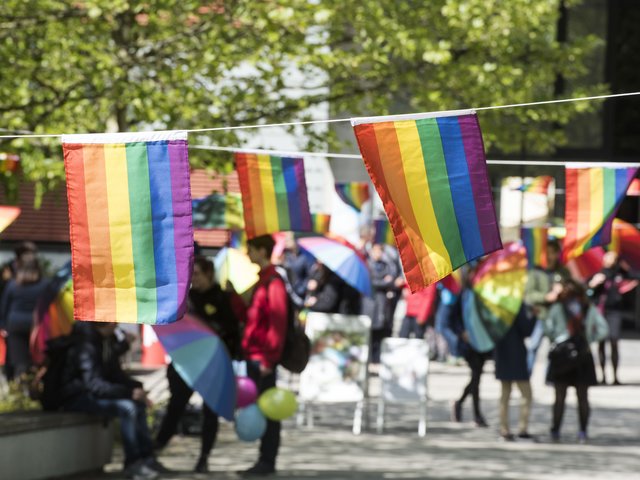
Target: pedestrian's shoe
[481,422]
[139,471]
[507,437]
[260,469]
[526,437]
[202,466]
[555,436]
[155,465]
[582,437]
[456,411]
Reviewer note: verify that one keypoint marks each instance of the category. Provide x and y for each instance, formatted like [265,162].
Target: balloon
[247,392]
[250,423]
[277,403]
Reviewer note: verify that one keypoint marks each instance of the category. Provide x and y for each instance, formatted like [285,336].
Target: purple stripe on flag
[182,223]
[483,199]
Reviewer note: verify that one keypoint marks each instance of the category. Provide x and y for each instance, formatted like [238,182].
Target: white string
[338,120]
[284,153]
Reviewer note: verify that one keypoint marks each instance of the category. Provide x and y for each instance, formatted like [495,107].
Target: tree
[117,65]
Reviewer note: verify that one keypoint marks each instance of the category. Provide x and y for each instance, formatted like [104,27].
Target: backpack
[50,376]
[297,346]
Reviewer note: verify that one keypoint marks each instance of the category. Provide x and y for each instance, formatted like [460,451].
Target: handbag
[566,357]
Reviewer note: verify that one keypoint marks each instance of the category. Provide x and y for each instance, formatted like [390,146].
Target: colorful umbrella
[54,313]
[498,285]
[7,216]
[202,360]
[234,266]
[339,258]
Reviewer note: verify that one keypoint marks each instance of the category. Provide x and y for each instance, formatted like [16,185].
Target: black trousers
[475,361]
[180,395]
[270,441]
[583,405]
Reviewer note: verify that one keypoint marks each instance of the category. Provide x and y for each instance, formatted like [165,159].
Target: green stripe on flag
[281,194]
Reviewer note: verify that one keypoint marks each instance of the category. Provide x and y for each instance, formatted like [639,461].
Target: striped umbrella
[202,360]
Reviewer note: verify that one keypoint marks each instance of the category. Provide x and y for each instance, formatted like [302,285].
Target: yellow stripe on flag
[120,231]
[268,193]
[416,175]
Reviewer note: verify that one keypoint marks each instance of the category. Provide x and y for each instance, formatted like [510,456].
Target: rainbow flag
[537,185]
[218,211]
[274,194]
[382,232]
[9,162]
[353,194]
[430,172]
[320,222]
[130,225]
[593,195]
[8,216]
[534,240]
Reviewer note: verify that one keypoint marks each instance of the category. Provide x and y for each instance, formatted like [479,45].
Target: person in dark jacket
[323,290]
[19,300]
[511,367]
[383,276]
[219,310]
[263,341]
[94,382]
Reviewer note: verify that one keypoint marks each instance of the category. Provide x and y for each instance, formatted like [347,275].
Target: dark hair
[554,244]
[265,242]
[573,289]
[204,264]
[29,272]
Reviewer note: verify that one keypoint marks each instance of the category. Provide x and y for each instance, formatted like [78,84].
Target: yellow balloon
[277,404]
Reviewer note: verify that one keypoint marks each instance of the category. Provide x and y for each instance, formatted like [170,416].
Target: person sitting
[93,382]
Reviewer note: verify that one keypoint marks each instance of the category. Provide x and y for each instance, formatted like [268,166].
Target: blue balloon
[250,423]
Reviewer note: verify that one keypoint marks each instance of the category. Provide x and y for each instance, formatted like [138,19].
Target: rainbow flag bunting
[353,194]
[8,216]
[130,225]
[218,211]
[238,239]
[593,195]
[382,232]
[274,194]
[9,162]
[430,172]
[534,240]
[537,185]
[320,222]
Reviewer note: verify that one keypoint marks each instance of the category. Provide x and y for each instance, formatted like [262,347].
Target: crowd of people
[253,329]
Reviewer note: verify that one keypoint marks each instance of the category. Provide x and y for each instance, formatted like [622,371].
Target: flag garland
[537,185]
[130,225]
[321,222]
[274,194]
[382,232]
[430,172]
[634,188]
[9,162]
[218,211]
[353,194]
[534,240]
[593,196]
[8,214]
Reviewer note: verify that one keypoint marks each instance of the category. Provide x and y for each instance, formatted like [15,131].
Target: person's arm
[5,304]
[278,319]
[92,379]
[326,298]
[536,288]
[598,328]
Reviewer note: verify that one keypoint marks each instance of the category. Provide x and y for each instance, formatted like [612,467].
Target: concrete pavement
[449,450]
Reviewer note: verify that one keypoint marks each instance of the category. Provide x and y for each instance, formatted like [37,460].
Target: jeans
[441,323]
[180,395]
[270,441]
[411,326]
[136,439]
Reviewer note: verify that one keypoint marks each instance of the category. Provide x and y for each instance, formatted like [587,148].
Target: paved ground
[449,451]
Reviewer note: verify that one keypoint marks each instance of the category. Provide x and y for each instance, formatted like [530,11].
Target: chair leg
[422,425]
[380,416]
[357,418]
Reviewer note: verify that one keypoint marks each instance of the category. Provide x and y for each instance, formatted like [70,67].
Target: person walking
[607,285]
[511,367]
[263,342]
[574,323]
[215,307]
[420,309]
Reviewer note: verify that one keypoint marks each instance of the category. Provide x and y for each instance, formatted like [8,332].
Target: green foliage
[18,398]
[115,65]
